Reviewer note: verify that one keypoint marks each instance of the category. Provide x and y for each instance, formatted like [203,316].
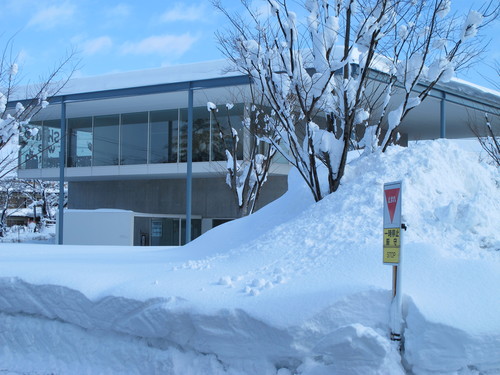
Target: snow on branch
[244,177]
[331,70]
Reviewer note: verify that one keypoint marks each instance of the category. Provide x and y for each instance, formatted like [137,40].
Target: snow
[478,91]
[29,234]
[471,24]
[211,107]
[144,77]
[443,8]
[296,288]
[14,69]
[3,102]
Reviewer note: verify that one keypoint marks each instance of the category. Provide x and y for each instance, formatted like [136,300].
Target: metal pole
[394,280]
[397,301]
[442,133]
[62,162]
[189,176]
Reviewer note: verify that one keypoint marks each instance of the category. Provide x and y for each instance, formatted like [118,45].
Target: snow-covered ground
[30,234]
[297,288]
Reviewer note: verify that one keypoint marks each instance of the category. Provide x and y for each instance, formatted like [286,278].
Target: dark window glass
[195,229]
[80,142]
[164,232]
[30,152]
[51,143]
[201,134]
[134,138]
[183,114]
[141,231]
[105,144]
[164,136]
[217,222]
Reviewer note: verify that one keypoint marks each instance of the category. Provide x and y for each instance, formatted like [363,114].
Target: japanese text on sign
[392,245]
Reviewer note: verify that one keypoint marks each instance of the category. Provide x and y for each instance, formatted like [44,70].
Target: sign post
[392,250]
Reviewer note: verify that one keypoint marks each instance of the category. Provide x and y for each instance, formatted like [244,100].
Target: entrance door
[165,232]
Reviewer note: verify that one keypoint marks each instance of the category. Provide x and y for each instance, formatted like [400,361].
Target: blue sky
[115,36]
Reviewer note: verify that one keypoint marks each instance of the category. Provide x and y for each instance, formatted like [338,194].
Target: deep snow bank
[297,287]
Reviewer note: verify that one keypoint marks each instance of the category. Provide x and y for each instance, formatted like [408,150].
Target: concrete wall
[211,197]
[99,227]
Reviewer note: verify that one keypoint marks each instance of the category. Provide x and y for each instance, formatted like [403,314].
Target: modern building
[126,145]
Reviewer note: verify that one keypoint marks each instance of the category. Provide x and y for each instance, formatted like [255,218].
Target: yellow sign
[392,245]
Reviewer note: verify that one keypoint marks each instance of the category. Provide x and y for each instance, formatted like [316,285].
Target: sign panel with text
[392,222]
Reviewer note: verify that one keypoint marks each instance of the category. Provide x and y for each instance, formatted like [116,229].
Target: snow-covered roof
[23,212]
[223,68]
[148,77]
[467,88]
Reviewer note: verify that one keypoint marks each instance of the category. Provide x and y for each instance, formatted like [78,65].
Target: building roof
[150,77]
[175,77]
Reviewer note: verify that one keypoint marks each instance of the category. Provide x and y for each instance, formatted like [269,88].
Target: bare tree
[42,195]
[351,68]
[246,174]
[8,188]
[488,135]
[490,142]
[14,120]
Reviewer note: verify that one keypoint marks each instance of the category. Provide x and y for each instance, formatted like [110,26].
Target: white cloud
[92,46]
[52,16]
[119,11]
[181,12]
[161,45]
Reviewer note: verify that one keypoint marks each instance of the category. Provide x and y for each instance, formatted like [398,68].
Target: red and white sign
[392,205]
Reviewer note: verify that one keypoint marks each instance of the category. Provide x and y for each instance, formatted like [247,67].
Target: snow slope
[297,288]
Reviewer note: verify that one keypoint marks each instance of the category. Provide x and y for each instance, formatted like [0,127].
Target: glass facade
[51,143]
[159,231]
[80,142]
[133,138]
[164,136]
[202,130]
[106,136]
[30,152]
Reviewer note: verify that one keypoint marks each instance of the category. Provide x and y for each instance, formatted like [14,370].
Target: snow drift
[297,288]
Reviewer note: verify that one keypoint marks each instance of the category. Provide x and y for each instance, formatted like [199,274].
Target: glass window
[201,134]
[183,115]
[106,134]
[164,232]
[80,142]
[134,138]
[30,152]
[164,136]
[51,143]
[218,128]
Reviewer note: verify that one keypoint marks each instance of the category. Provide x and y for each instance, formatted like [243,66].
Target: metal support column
[442,132]
[62,163]
[189,175]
